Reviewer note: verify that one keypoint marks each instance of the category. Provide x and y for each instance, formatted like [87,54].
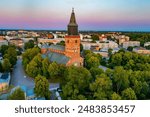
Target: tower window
[76,41]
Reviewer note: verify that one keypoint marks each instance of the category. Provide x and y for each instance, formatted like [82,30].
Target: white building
[109,44]
[103,38]
[3,42]
[146,44]
[131,43]
[141,50]
[25,40]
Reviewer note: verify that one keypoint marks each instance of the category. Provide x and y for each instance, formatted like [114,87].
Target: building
[4,81]
[146,44]
[103,54]
[54,41]
[25,40]
[50,36]
[141,50]
[103,38]
[3,42]
[108,44]
[70,53]
[16,42]
[2,37]
[98,45]
[131,43]
[122,39]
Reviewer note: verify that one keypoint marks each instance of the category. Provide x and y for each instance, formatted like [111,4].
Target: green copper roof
[56,57]
[57,47]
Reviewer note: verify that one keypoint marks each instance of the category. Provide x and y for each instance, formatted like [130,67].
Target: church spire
[72,26]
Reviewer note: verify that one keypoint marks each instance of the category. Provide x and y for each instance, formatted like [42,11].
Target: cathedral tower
[72,40]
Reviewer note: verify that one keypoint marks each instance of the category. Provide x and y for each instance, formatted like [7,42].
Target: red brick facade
[72,50]
[72,46]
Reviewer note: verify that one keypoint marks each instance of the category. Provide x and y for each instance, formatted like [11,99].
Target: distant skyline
[99,15]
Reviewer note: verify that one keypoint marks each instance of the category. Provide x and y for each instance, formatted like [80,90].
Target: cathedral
[70,53]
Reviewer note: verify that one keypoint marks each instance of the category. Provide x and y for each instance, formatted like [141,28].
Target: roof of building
[72,19]
[57,47]
[5,78]
[140,48]
[56,57]
[45,46]
[23,88]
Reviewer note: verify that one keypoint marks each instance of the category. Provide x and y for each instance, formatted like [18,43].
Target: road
[19,78]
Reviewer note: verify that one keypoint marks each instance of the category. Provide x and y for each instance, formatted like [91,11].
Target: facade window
[67,41]
[76,41]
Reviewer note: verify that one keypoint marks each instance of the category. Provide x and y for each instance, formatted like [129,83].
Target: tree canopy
[77,83]
[29,44]
[18,94]
[42,87]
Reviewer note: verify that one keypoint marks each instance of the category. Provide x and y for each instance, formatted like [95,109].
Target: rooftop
[140,48]
[56,57]
[5,78]
[57,47]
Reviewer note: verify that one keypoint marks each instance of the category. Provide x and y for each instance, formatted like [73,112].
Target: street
[19,78]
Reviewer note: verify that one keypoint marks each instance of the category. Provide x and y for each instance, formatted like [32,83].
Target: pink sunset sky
[90,14]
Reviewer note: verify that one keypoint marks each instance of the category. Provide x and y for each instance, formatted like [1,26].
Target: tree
[77,83]
[110,51]
[126,57]
[1,67]
[6,65]
[42,87]
[45,65]
[35,66]
[18,94]
[11,55]
[122,50]
[102,87]
[61,43]
[128,94]
[29,55]
[116,60]
[54,70]
[3,49]
[95,71]
[95,38]
[109,73]
[147,47]
[87,52]
[120,79]
[29,44]
[139,83]
[115,96]
[92,62]
[130,48]
[81,47]
[130,65]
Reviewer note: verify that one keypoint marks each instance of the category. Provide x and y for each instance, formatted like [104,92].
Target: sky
[100,15]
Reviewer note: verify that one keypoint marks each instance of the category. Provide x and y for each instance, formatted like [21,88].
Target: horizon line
[2,29]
